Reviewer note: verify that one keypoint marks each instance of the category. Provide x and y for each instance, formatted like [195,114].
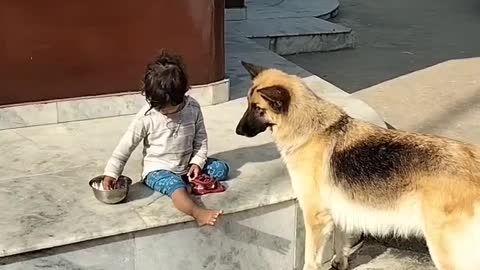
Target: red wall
[52,49]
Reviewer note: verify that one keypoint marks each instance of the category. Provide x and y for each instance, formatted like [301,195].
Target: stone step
[286,36]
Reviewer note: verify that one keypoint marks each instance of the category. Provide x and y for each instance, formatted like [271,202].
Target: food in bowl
[116,195]
[118,184]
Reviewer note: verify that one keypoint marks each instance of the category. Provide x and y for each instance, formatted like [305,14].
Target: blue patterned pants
[167,182]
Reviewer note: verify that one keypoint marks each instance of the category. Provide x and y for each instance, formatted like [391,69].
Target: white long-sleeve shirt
[171,142]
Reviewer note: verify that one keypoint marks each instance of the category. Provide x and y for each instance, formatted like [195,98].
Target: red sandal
[204,184]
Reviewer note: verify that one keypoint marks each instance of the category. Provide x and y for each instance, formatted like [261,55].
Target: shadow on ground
[236,158]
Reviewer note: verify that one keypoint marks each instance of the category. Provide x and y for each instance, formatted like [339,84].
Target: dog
[351,176]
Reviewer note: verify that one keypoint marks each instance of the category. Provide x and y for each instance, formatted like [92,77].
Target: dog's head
[268,101]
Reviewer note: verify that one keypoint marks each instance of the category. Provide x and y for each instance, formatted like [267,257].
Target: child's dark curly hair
[165,81]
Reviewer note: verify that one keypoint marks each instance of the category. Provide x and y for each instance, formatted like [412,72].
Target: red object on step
[204,184]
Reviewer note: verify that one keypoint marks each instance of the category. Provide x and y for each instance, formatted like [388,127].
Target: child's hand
[194,172]
[108,182]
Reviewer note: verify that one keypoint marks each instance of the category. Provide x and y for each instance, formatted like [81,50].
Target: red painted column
[54,49]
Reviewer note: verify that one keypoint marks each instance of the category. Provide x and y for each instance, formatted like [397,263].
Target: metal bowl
[111,196]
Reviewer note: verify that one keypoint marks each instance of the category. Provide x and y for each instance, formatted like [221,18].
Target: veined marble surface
[45,199]
[242,241]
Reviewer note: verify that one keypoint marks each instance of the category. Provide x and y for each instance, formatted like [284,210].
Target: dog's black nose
[239,131]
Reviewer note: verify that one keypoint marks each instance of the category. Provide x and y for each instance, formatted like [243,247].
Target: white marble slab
[87,108]
[56,209]
[118,105]
[49,203]
[243,241]
[99,107]
[211,94]
[28,115]
[112,253]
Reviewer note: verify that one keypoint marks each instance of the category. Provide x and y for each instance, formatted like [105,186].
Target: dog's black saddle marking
[379,161]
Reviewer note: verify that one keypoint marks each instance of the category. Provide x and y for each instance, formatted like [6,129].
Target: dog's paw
[340,263]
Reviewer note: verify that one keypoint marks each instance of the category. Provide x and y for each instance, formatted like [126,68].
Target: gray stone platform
[295,35]
[290,27]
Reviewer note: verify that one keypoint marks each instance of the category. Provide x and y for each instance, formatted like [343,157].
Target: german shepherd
[351,176]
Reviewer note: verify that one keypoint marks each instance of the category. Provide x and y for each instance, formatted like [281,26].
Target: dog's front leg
[342,246]
[345,244]
[318,225]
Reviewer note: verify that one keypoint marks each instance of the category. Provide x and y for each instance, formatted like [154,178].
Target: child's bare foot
[206,216]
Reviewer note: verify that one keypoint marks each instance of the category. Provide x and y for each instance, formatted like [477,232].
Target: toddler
[174,139]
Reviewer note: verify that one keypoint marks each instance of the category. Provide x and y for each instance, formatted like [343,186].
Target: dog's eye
[258,110]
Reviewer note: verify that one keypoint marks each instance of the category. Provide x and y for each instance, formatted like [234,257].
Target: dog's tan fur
[425,185]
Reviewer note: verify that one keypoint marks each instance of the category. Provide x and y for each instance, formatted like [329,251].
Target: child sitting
[174,139]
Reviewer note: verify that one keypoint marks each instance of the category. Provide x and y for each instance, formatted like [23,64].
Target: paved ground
[395,38]
[401,65]
[442,100]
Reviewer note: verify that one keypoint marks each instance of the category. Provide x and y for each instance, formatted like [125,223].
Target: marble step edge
[86,108]
[180,219]
[242,231]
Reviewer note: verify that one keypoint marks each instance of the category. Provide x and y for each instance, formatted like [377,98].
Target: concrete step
[286,36]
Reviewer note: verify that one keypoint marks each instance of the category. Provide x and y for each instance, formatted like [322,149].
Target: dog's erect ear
[277,97]
[252,69]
